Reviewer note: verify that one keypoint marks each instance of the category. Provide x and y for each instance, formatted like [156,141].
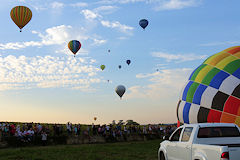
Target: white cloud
[120,1]
[118,25]
[165,84]
[79,4]
[57,5]
[47,72]
[58,35]
[178,57]
[175,4]
[90,15]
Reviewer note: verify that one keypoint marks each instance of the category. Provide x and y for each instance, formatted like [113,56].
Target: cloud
[167,81]
[47,72]
[90,15]
[175,4]
[178,57]
[118,25]
[57,5]
[58,35]
[79,4]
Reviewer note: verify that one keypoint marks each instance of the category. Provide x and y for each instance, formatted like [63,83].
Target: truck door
[172,151]
[184,147]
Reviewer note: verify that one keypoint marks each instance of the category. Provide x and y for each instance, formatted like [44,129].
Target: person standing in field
[44,138]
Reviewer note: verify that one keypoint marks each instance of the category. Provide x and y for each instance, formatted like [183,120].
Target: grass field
[146,150]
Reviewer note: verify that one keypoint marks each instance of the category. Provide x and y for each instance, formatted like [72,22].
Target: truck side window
[187,134]
[176,135]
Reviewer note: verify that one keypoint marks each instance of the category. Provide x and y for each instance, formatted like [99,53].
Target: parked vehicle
[203,141]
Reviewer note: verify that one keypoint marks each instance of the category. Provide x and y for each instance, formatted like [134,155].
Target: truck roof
[210,124]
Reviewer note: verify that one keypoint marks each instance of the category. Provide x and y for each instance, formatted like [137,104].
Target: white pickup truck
[203,141]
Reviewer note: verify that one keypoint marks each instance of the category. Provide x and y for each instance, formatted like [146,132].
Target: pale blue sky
[41,81]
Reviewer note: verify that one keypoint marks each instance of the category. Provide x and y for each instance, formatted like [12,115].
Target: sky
[41,80]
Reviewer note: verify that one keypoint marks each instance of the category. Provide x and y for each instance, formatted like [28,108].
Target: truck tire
[162,157]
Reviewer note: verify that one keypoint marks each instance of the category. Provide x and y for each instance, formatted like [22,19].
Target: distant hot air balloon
[74,46]
[102,67]
[95,118]
[143,23]
[119,66]
[128,61]
[108,80]
[21,15]
[212,93]
[120,90]
[109,51]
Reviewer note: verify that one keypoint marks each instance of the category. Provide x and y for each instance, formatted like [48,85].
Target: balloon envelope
[119,66]
[143,23]
[74,46]
[102,67]
[95,118]
[120,90]
[21,15]
[212,93]
[128,61]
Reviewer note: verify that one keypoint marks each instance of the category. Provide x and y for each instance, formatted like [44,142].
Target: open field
[146,150]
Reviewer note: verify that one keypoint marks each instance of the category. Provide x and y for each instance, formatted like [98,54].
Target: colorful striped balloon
[212,93]
[21,15]
[74,46]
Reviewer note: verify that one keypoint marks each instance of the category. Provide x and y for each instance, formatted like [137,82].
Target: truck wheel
[162,157]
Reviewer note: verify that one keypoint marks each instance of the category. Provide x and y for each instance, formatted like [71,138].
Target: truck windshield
[210,132]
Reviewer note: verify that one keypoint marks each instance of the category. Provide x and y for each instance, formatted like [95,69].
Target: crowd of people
[26,132]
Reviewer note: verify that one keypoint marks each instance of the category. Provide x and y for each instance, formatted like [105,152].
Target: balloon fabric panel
[193,77]
[233,50]
[202,114]
[225,61]
[184,97]
[193,113]
[228,118]
[198,94]
[232,105]
[219,100]
[211,74]
[236,91]
[214,116]
[186,112]
[232,67]
[229,85]
[237,73]
[218,79]
[214,60]
[207,97]
[191,92]
[203,73]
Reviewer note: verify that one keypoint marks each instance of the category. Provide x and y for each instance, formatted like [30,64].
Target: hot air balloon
[143,23]
[95,118]
[119,66]
[212,93]
[109,51]
[102,67]
[74,46]
[128,61]
[120,90]
[21,15]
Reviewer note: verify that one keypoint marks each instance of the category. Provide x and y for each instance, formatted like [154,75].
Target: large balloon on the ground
[120,90]
[21,15]
[212,93]
[74,46]
[143,23]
